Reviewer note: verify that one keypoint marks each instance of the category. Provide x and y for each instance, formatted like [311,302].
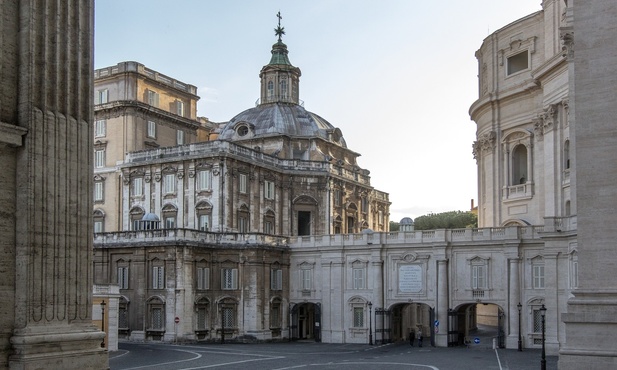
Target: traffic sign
[177,320]
[476,340]
[436,322]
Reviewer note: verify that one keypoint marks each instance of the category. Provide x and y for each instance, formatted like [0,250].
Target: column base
[591,331]
[76,346]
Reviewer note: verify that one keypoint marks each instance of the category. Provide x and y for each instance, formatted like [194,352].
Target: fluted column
[52,326]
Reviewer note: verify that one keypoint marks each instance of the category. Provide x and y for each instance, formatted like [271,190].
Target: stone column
[591,320]
[514,300]
[441,338]
[46,55]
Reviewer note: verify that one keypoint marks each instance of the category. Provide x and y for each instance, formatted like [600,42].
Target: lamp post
[543,361]
[520,337]
[103,322]
[370,323]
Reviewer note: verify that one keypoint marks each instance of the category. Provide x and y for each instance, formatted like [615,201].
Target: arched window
[123,317]
[243,219]
[284,90]
[156,318]
[99,220]
[170,214]
[270,90]
[269,222]
[567,208]
[137,213]
[519,165]
[566,155]
[202,322]
[203,211]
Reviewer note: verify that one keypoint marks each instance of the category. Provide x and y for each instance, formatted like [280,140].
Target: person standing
[419,337]
[412,337]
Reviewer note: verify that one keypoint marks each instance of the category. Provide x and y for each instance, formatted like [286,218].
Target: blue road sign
[436,322]
[476,340]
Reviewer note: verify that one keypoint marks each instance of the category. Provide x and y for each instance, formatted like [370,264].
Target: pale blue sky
[397,77]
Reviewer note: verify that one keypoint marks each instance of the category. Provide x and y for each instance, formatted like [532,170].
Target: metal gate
[453,328]
[293,322]
[294,329]
[382,326]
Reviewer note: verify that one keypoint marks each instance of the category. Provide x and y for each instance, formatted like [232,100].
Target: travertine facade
[45,151]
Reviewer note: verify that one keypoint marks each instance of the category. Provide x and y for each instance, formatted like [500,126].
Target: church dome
[276,119]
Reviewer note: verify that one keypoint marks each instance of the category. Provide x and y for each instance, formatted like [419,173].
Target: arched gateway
[476,324]
[305,321]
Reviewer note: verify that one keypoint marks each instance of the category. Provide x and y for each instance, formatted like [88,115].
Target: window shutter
[234,279]
[279,279]
[200,277]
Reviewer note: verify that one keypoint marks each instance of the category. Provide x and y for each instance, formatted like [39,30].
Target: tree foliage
[446,220]
[394,226]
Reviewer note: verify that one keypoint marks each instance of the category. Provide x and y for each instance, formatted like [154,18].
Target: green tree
[394,226]
[446,220]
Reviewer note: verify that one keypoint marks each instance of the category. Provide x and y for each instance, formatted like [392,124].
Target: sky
[396,76]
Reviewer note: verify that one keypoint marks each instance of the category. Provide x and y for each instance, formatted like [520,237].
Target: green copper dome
[279,54]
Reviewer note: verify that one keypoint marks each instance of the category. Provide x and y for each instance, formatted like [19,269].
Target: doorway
[305,322]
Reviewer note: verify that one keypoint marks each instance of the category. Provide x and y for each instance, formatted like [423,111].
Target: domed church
[206,220]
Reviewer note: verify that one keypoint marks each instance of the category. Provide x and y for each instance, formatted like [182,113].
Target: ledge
[11,134]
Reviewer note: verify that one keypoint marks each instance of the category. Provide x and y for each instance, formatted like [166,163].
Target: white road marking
[402,364]
[498,361]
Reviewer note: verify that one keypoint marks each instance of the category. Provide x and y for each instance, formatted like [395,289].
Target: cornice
[11,134]
[119,107]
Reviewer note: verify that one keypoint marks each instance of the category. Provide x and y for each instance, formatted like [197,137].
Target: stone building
[136,108]
[210,219]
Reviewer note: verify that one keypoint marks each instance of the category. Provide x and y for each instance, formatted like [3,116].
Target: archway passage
[305,322]
[476,324]
[412,321]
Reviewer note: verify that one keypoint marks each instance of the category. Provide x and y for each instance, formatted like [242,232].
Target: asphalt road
[310,355]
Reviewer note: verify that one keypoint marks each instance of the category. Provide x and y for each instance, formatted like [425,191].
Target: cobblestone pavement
[320,356]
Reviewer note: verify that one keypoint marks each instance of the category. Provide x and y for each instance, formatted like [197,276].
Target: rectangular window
[98,226]
[243,183]
[157,318]
[158,277]
[574,274]
[243,224]
[358,278]
[228,317]
[275,316]
[338,197]
[123,277]
[365,205]
[518,62]
[153,98]
[179,137]
[99,158]
[538,276]
[98,191]
[203,180]
[100,128]
[268,227]
[138,185]
[170,222]
[170,183]
[229,279]
[204,222]
[180,108]
[102,96]
[152,129]
[306,279]
[269,189]
[537,321]
[276,279]
[201,318]
[203,278]
[478,279]
[358,317]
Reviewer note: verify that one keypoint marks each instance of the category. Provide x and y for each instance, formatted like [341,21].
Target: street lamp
[103,322]
[543,361]
[520,338]
[370,323]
